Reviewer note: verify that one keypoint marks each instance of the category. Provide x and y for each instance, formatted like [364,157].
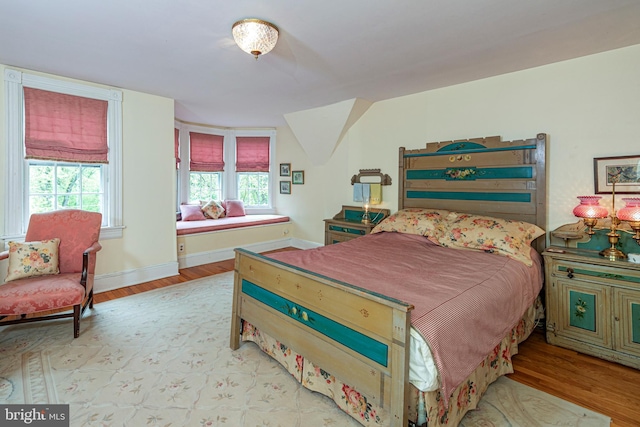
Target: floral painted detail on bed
[461,173]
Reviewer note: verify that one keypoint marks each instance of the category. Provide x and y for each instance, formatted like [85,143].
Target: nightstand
[593,304]
[347,224]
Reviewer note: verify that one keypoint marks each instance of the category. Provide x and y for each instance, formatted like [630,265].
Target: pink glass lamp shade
[631,214]
[589,207]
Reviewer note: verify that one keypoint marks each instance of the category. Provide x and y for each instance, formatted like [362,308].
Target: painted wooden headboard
[487,176]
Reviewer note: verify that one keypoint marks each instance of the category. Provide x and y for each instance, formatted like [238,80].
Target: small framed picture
[285,187]
[285,169]
[297,177]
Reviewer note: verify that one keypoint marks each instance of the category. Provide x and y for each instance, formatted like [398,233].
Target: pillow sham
[424,222]
[192,213]
[234,208]
[213,210]
[31,259]
[501,236]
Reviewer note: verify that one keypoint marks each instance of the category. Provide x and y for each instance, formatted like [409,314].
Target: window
[212,178]
[252,167]
[206,165]
[44,181]
[59,185]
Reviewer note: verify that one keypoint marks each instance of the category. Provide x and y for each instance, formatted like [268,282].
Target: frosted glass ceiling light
[255,36]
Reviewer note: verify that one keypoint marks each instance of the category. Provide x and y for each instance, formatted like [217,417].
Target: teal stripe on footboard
[360,343]
[464,195]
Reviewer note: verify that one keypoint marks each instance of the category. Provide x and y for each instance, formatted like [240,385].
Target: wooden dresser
[593,304]
[347,224]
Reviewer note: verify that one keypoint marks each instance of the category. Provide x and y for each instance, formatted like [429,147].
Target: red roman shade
[207,154]
[252,154]
[65,127]
[176,143]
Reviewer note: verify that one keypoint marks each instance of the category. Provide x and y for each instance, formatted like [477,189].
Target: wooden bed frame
[482,176]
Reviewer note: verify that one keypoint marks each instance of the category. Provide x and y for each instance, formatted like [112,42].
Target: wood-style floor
[605,387]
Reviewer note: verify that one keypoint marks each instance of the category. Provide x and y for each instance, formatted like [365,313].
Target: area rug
[162,358]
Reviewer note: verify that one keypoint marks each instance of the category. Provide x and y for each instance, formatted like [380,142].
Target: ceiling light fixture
[255,36]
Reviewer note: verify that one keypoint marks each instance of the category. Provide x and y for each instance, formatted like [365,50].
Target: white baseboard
[121,279]
[111,281]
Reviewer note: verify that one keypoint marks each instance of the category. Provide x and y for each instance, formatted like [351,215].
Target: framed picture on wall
[285,187]
[297,177]
[623,170]
[285,169]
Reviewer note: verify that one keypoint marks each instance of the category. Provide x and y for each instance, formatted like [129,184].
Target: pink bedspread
[465,301]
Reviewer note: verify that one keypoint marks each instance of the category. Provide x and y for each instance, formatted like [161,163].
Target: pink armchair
[38,296]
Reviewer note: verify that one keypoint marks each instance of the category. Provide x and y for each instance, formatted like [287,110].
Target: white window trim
[229,184]
[16,220]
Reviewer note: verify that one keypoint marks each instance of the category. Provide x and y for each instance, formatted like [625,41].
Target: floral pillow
[30,259]
[424,222]
[496,235]
[191,213]
[213,210]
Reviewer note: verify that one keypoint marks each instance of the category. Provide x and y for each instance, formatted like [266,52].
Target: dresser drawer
[596,273]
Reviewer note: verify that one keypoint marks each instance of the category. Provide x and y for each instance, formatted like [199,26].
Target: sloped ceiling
[320,130]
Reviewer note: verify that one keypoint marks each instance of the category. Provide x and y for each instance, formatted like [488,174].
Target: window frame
[16,193]
[229,176]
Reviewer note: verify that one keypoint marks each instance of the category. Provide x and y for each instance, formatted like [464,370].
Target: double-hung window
[252,170]
[63,151]
[206,166]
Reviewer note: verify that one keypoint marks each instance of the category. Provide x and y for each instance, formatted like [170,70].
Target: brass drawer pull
[570,273]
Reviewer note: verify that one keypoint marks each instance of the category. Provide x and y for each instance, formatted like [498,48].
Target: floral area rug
[162,358]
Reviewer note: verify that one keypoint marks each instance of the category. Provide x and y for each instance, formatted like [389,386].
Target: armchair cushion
[30,259]
[32,295]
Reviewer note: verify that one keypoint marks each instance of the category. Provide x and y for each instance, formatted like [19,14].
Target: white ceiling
[329,51]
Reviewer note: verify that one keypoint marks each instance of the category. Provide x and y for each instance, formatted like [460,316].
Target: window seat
[208,225]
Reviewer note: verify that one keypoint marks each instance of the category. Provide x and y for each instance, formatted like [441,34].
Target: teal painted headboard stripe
[354,340]
[475,173]
[488,197]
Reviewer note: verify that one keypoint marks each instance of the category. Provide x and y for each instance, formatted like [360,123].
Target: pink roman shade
[207,154]
[176,148]
[65,127]
[252,154]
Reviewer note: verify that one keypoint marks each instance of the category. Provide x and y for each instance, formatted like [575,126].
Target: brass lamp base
[613,253]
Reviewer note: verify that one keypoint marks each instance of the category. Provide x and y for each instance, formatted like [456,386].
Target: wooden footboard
[360,337]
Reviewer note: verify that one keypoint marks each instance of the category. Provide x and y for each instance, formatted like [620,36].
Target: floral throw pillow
[495,235]
[213,210]
[424,222]
[30,259]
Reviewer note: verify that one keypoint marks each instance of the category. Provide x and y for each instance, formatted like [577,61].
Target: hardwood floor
[605,387]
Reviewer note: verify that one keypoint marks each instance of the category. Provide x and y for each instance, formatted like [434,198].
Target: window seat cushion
[226,223]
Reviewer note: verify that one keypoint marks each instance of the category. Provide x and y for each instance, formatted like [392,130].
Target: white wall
[589,107]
